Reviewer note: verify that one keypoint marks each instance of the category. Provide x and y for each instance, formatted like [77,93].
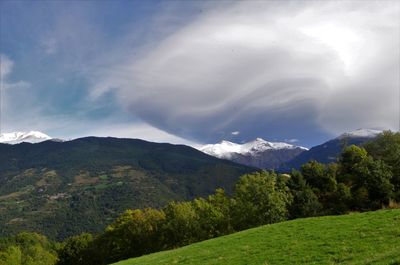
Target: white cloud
[6,66]
[136,130]
[235,133]
[288,65]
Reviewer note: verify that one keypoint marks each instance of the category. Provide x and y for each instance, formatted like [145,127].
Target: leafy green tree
[341,200]
[352,161]
[27,249]
[386,147]
[75,250]
[12,255]
[180,224]
[305,202]
[314,173]
[378,183]
[322,180]
[369,180]
[259,200]
[210,220]
[36,249]
[222,203]
[134,233]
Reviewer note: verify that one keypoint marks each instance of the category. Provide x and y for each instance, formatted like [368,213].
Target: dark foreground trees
[358,182]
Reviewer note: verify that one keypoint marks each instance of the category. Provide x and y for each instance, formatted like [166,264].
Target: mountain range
[258,153]
[62,188]
[283,156]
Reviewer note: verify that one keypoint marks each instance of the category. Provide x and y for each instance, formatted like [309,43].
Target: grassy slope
[366,238]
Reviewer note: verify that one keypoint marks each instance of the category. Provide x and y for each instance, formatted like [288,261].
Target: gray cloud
[273,71]
[279,71]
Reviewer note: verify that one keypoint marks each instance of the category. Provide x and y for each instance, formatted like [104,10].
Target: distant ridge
[329,151]
[284,156]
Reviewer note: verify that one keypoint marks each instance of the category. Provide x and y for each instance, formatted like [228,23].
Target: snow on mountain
[364,133]
[226,149]
[19,137]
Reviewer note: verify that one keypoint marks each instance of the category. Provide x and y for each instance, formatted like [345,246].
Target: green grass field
[366,238]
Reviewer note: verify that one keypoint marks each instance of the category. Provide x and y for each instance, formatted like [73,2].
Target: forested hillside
[64,188]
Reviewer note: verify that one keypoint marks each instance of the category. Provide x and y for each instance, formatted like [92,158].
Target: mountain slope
[366,238]
[329,151]
[258,153]
[63,188]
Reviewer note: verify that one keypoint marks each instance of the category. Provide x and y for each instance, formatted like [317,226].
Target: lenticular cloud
[263,67]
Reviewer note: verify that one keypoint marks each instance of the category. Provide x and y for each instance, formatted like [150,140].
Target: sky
[196,72]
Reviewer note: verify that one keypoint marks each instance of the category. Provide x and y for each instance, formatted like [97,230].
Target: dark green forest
[364,178]
[61,189]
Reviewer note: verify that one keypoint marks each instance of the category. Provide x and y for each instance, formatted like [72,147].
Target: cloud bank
[271,69]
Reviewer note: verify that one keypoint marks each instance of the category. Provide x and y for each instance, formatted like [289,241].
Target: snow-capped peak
[225,149]
[19,137]
[365,133]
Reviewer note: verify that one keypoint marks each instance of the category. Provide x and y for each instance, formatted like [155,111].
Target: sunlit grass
[366,238]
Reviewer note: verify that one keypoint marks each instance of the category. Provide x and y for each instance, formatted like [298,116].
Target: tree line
[364,178]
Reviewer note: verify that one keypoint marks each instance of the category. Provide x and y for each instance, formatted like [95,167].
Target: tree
[223,203]
[341,199]
[75,250]
[351,164]
[378,183]
[314,173]
[134,233]
[12,255]
[259,200]
[181,222]
[211,220]
[386,147]
[321,179]
[369,180]
[305,202]
[27,249]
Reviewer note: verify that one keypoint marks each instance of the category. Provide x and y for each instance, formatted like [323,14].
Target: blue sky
[199,72]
